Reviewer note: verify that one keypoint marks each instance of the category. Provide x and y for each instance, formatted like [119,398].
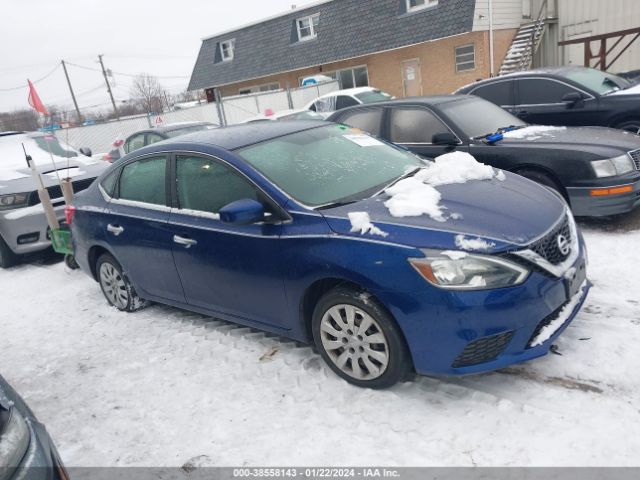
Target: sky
[158,37]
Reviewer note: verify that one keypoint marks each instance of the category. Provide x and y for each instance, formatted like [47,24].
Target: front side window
[477,117]
[206,185]
[540,91]
[226,50]
[329,164]
[465,58]
[144,181]
[368,121]
[414,125]
[307,27]
[413,5]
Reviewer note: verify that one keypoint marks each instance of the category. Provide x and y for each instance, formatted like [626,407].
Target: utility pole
[104,73]
[73,96]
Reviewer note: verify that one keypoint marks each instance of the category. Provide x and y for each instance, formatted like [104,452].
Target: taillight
[108,158]
[69,213]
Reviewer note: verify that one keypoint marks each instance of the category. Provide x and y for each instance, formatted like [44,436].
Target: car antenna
[43,193]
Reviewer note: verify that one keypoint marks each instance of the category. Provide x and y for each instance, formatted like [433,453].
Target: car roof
[243,135]
[561,71]
[426,100]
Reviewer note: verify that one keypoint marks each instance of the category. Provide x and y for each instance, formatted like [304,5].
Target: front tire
[359,340]
[544,180]
[7,257]
[632,126]
[115,285]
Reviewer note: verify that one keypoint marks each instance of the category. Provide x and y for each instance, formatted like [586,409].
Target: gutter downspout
[491,67]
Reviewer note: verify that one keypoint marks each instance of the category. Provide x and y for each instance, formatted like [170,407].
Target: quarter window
[226,50]
[207,186]
[368,120]
[109,183]
[465,58]
[414,125]
[538,91]
[144,181]
[307,27]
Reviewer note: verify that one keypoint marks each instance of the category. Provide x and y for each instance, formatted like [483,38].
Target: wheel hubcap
[354,342]
[113,285]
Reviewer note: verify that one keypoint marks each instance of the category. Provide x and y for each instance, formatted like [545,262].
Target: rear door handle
[187,242]
[522,114]
[115,229]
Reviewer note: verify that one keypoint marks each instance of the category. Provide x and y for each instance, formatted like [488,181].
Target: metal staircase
[525,44]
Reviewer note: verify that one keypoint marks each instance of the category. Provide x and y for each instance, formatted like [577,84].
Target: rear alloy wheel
[359,340]
[7,257]
[632,126]
[115,286]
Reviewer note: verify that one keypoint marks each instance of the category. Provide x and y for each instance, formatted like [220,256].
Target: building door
[411,78]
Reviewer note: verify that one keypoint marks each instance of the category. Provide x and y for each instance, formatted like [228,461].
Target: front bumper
[22,224]
[459,333]
[583,204]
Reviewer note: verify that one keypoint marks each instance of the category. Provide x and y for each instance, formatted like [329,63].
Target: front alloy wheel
[359,339]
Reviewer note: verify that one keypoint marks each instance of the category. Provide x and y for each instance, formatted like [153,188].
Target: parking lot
[165,387]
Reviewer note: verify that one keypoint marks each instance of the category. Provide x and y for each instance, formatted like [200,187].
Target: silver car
[23,226]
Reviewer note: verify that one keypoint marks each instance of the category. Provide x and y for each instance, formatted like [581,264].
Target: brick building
[404,47]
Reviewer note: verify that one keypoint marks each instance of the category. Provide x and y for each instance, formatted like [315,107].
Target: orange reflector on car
[600,192]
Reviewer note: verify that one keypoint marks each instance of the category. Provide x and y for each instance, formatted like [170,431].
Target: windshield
[598,81]
[373,96]
[189,129]
[330,164]
[477,117]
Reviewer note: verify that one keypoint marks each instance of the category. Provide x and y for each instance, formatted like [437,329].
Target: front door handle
[115,229]
[187,242]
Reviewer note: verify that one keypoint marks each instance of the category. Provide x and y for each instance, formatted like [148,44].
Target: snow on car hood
[498,214]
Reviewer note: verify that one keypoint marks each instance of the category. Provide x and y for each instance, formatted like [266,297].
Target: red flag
[34,100]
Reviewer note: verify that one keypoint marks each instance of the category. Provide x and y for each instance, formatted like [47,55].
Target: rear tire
[359,339]
[544,180]
[115,285]
[7,257]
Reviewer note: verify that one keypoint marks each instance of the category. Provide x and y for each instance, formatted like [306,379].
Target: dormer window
[413,5]
[226,50]
[307,27]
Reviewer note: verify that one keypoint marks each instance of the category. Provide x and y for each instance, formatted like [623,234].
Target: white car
[350,97]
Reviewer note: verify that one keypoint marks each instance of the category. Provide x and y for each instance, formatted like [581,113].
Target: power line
[34,82]
[132,75]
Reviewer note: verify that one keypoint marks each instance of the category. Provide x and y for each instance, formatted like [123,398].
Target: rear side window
[344,101]
[500,93]
[153,138]
[207,186]
[368,120]
[144,181]
[414,125]
[537,91]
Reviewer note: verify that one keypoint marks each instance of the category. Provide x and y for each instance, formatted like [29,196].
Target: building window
[226,50]
[267,87]
[413,5]
[307,27]
[465,58]
[348,77]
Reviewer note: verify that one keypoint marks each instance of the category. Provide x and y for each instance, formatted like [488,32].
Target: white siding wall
[506,14]
[583,18]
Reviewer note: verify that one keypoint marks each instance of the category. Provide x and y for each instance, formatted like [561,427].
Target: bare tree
[147,90]
[26,119]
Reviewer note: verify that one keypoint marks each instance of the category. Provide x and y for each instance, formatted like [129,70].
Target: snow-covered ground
[161,386]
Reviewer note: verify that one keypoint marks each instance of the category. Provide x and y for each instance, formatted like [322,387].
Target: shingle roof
[346,29]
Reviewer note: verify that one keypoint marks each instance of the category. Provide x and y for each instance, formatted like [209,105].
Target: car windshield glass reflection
[329,165]
[600,82]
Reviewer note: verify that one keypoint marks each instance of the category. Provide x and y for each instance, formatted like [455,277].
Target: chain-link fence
[100,137]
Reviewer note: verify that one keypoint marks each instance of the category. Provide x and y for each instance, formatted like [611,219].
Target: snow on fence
[236,109]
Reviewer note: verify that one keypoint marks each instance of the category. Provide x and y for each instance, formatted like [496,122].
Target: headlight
[14,200]
[14,442]
[456,270]
[613,166]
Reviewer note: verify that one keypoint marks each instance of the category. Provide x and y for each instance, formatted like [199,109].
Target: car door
[137,228]
[540,101]
[500,92]
[231,269]
[413,127]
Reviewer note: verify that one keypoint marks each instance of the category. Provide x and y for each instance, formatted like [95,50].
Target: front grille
[635,156]
[545,321]
[56,192]
[483,350]
[547,247]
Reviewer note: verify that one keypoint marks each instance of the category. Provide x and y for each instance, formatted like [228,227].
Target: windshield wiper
[499,131]
[410,173]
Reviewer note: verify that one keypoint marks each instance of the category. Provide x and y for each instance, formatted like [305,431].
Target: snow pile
[474,244]
[360,222]
[416,195]
[532,132]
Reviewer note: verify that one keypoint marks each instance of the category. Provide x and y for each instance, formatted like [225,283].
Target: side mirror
[572,99]
[85,151]
[242,212]
[445,138]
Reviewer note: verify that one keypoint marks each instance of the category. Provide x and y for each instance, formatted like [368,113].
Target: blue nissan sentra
[286,227]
